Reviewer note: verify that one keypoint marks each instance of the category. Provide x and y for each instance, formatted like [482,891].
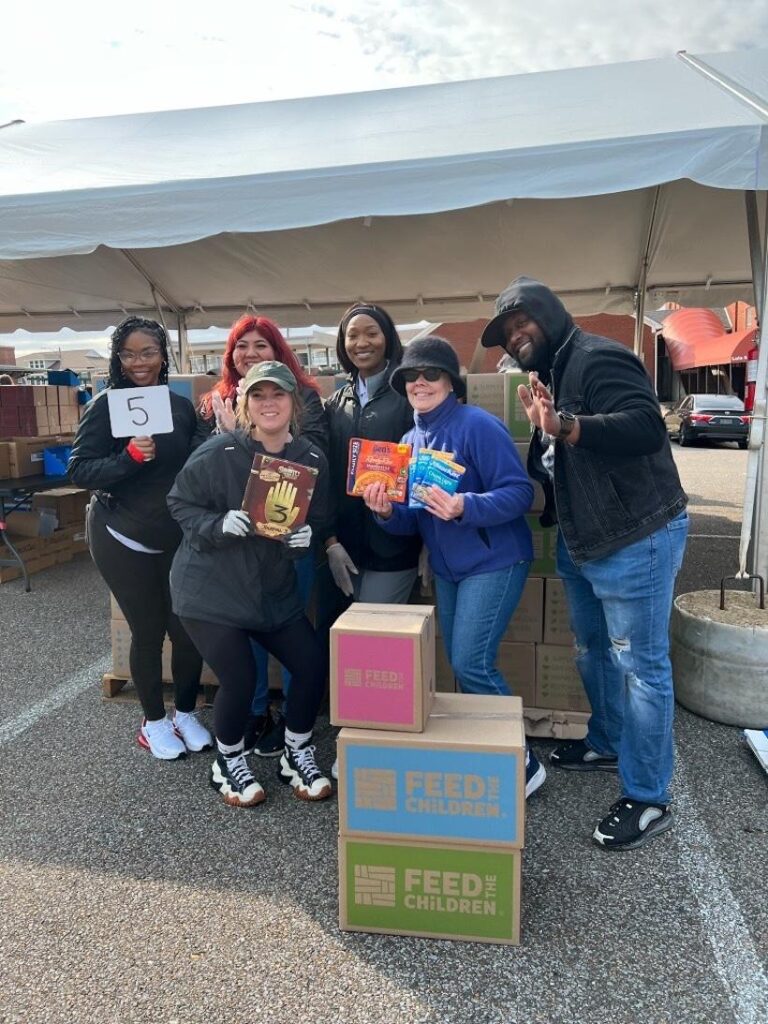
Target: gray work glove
[237,523]
[341,565]
[300,538]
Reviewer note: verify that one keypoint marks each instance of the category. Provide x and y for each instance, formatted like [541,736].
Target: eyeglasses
[127,358]
[430,373]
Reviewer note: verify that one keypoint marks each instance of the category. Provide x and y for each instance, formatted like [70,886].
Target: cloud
[95,58]
[435,40]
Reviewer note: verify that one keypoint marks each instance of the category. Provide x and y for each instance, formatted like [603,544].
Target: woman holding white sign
[233,584]
[131,534]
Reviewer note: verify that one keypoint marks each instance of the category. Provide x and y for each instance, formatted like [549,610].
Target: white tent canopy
[429,199]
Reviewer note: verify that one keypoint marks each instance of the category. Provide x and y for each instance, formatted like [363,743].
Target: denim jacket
[619,483]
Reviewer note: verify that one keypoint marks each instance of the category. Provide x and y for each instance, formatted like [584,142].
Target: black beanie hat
[430,351]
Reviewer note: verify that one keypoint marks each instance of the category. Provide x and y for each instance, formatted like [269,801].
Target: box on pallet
[557,620]
[68,503]
[558,683]
[121,651]
[538,491]
[462,780]
[398,888]
[544,548]
[555,725]
[191,385]
[383,666]
[5,462]
[527,625]
[497,394]
[25,455]
[517,663]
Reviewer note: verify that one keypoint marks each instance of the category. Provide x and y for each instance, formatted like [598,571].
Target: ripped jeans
[619,609]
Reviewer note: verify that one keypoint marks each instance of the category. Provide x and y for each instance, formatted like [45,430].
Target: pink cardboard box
[383,667]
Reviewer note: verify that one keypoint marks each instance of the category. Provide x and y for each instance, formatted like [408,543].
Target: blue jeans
[474,615]
[305,577]
[619,608]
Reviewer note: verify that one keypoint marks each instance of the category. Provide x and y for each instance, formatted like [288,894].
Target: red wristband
[136,453]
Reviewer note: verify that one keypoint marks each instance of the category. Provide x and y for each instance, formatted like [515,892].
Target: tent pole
[640,312]
[755,522]
[755,255]
[642,279]
[185,363]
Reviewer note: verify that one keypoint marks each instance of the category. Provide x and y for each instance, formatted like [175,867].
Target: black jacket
[619,483]
[313,424]
[386,417]
[133,493]
[250,582]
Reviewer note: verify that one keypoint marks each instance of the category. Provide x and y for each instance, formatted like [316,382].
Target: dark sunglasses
[431,373]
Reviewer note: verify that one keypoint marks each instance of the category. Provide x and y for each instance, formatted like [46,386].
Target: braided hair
[153,330]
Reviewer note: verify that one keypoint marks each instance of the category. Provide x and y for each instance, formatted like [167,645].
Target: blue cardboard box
[460,781]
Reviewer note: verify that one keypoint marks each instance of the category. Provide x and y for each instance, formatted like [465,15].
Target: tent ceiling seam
[154,285]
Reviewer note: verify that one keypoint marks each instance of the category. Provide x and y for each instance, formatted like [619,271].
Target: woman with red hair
[252,340]
[255,339]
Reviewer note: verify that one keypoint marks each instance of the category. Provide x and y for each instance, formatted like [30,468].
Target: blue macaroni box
[461,781]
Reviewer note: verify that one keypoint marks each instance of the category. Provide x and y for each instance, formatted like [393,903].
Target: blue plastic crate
[55,460]
[63,378]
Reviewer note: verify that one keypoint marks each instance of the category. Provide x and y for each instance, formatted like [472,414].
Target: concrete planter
[720,658]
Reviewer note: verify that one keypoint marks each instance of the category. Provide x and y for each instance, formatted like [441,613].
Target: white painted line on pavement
[57,698]
[737,961]
[716,537]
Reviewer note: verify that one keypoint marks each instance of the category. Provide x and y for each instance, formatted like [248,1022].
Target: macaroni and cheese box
[383,666]
[277,495]
[398,888]
[462,780]
[372,462]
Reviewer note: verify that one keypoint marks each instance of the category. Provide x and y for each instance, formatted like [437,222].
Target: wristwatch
[567,423]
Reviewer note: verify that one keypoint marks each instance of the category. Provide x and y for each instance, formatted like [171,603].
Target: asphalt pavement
[130,893]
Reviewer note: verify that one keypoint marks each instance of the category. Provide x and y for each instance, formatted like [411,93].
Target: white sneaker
[335,769]
[161,739]
[192,731]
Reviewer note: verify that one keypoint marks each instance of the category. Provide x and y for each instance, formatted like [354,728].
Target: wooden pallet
[555,725]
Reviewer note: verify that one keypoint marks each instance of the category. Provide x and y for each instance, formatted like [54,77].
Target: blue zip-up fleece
[491,533]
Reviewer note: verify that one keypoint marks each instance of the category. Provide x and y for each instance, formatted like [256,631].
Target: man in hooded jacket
[602,454]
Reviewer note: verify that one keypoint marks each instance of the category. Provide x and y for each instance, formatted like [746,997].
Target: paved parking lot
[130,893]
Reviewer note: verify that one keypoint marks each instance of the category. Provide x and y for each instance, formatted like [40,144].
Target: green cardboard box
[544,548]
[399,888]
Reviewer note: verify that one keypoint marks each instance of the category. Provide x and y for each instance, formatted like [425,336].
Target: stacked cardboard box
[536,654]
[31,410]
[121,650]
[23,456]
[41,553]
[431,787]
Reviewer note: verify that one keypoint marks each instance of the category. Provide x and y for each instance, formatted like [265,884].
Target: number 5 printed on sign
[140,411]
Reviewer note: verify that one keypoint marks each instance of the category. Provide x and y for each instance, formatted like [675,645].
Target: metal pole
[642,278]
[185,364]
[755,255]
[755,522]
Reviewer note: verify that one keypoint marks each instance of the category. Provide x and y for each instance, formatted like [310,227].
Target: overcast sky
[81,58]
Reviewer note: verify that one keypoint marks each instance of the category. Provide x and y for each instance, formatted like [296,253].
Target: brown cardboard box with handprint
[277,495]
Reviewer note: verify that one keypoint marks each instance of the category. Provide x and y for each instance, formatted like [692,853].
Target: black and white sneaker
[254,730]
[631,823]
[234,780]
[271,741]
[298,768]
[535,773]
[578,757]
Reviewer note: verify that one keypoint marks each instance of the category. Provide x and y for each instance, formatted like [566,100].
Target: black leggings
[140,585]
[227,649]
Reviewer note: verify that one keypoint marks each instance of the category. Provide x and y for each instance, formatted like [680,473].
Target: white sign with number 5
[140,412]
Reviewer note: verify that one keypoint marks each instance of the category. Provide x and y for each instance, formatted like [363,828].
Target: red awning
[695,337]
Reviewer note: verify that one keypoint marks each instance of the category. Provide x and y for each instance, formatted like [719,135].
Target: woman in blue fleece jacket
[479,544]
